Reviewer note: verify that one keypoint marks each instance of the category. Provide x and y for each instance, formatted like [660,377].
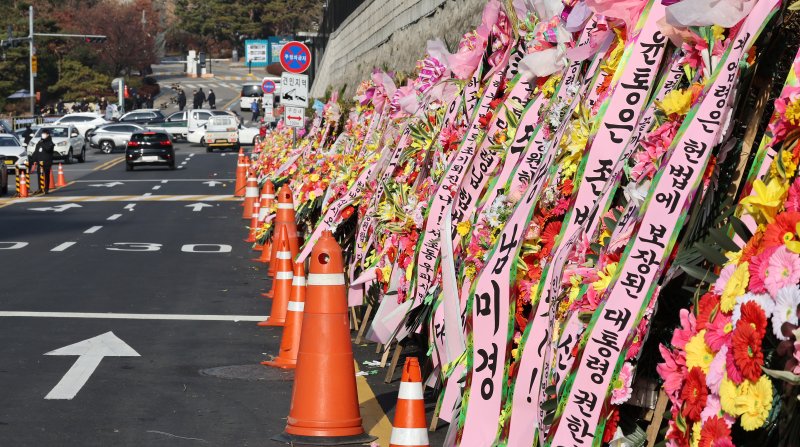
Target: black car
[149,148]
[143,116]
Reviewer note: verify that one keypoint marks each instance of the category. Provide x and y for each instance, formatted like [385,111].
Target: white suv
[82,121]
[70,145]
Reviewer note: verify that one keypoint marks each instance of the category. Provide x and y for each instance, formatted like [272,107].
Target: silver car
[113,136]
[11,149]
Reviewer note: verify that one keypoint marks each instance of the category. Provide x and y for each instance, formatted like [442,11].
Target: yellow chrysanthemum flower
[676,102]
[463,228]
[754,402]
[575,287]
[698,353]
[727,396]
[789,166]
[766,200]
[386,272]
[733,257]
[735,287]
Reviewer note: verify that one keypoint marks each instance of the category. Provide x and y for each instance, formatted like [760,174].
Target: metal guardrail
[18,123]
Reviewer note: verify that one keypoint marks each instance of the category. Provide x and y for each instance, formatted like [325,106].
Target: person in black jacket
[43,155]
[212,99]
[201,98]
[27,134]
[181,100]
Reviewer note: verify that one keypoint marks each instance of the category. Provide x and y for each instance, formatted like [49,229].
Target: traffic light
[94,39]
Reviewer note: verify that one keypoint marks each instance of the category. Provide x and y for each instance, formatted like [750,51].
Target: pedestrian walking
[195,98]
[60,107]
[254,109]
[43,156]
[181,100]
[27,134]
[201,98]
[212,99]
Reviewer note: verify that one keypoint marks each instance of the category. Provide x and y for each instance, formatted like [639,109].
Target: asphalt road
[168,285]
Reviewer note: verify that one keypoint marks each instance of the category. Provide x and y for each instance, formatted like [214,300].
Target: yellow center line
[231,102]
[113,163]
[102,165]
[373,418]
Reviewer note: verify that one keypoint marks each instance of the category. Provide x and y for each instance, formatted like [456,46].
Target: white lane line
[164,182]
[115,316]
[114,216]
[192,155]
[157,187]
[93,229]
[130,206]
[62,247]
[147,194]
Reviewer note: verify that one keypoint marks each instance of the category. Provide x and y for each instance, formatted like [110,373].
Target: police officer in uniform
[43,155]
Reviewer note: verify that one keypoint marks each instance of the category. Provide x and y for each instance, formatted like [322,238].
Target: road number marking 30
[137,247]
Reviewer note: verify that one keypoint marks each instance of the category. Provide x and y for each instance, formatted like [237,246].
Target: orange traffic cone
[52,179]
[241,173]
[267,194]
[250,197]
[60,181]
[410,429]
[290,340]
[281,284]
[324,406]
[23,182]
[266,253]
[251,237]
[284,217]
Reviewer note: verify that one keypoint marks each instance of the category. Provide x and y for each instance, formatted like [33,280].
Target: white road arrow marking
[57,208]
[212,183]
[107,185]
[90,353]
[199,206]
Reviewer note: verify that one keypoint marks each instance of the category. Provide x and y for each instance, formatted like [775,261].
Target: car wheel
[209,149]
[106,146]
[172,166]
[203,141]
[70,157]
[128,166]
[82,157]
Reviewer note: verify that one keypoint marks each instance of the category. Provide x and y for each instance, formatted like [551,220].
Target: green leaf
[610,224]
[548,418]
[794,6]
[551,390]
[596,248]
[708,252]
[786,376]
[700,273]
[550,404]
[723,240]
[740,228]
[617,214]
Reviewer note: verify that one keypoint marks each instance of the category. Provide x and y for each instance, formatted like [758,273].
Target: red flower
[752,248]
[694,394]
[347,212]
[784,223]
[549,235]
[484,119]
[567,187]
[708,307]
[714,429]
[611,426]
[753,315]
[747,355]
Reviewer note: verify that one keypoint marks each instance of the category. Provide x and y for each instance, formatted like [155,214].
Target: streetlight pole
[30,56]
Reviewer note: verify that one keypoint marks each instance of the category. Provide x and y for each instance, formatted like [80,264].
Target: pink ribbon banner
[645,257]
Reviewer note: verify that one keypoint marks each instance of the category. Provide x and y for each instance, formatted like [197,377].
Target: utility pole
[30,56]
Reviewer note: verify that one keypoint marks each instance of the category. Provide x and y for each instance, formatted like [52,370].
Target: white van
[251,91]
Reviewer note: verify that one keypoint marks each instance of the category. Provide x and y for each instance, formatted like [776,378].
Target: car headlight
[61,143]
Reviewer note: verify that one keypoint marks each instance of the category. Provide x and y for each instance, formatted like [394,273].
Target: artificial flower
[714,429]
[765,200]
[728,393]
[676,102]
[735,287]
[698,353]
[792,203]
[758,270]
[694,394]
[718,332]
[752,314]
[782,230]
[754,403]
[622,390]
[672,371]
[716,370]
[787,301]
[783,270]
[747,353]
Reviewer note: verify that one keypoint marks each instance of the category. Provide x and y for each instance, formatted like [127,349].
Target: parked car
[83,121]
[111,136]
[11,149]
[67,139]
[176,124]
[143,116]
[3,176]
[149,148]
[196,120]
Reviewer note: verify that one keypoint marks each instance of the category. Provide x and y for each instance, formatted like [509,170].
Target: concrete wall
[391,34]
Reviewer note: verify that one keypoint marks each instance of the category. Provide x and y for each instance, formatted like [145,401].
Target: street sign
[294,116]
[268,86]
[295,57]
[294,90]
[269,114]
[269,100]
